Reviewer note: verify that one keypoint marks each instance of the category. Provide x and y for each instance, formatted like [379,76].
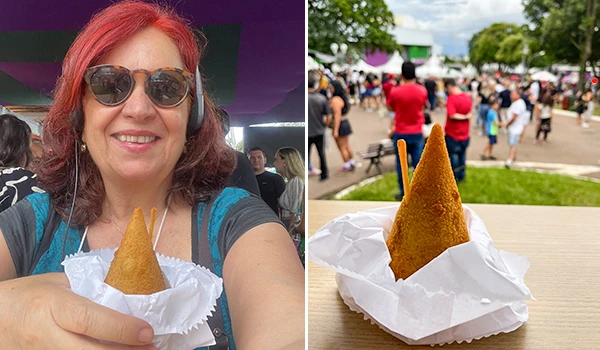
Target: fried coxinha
[135,268]
[430,218]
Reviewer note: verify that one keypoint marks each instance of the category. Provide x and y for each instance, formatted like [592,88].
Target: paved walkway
[571,150]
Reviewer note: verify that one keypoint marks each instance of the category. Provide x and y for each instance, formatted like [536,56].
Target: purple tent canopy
[255,59]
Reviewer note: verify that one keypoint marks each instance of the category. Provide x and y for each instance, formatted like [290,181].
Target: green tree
[485,46]
[363,25]
[510,51]
[566,30]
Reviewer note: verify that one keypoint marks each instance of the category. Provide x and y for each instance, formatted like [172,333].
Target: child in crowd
[492,124]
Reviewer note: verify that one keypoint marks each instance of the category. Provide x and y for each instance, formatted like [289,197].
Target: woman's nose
[139,105]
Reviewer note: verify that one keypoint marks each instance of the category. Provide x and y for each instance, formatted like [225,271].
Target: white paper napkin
[178,314]
[468,292]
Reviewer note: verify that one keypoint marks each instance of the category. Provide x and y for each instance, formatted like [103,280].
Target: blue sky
[453,22]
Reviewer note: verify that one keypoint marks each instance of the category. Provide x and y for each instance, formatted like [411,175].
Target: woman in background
[545,117]
[341,125]
[289,164]
[16,182]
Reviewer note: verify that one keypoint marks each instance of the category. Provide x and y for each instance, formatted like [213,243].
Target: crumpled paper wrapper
[178,314]
[470,291]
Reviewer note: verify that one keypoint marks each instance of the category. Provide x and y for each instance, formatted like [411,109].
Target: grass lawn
[501,186]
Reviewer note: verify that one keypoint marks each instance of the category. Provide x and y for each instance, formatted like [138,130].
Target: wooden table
[561,243]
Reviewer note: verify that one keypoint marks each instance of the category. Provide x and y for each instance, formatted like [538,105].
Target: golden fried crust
[135,269]
[431,219]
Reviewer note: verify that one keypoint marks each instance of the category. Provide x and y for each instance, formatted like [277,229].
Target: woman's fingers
[82,316]
[70,341]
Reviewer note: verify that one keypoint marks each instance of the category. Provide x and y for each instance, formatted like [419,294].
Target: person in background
[484,91]
[518,117]
[431,86]
[545,117]
[243,175]
[407,100]
[341,125]
[504,102]
[492,130]
[37,149]
[16,182]
[588,99]
[388,85]
[529,98]
[271,185]
[376,94]
[319,116]
[323,83]
[457,137]
[288,163]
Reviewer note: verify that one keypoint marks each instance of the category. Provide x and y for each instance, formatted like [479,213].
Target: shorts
[513,139]
[376,91]
[352,89]
[493,139]
[345,128]
[368,93]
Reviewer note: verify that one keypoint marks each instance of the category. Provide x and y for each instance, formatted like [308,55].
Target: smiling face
[137,140]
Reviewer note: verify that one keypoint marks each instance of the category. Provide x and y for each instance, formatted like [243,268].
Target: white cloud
[453,22]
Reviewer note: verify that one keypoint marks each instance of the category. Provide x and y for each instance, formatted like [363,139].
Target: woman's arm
[265,290]
[336,108]
[301,228]
[7,267]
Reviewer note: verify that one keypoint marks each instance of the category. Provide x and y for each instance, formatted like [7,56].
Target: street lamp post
[524,57]
[537,54]
[339,55]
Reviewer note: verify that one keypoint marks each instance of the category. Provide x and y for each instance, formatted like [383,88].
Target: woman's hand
[41,312]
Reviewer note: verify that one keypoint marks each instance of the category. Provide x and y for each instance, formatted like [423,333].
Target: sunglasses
[112,85]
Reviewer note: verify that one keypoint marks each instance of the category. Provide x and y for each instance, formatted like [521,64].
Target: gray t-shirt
[234,212]
[317,108]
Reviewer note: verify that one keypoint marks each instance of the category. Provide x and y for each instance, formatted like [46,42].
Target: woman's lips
[135,143]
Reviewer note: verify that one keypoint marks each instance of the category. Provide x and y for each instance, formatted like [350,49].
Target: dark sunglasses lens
[167,88]
[111,85]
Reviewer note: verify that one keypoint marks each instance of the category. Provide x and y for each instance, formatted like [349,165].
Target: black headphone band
[197,110]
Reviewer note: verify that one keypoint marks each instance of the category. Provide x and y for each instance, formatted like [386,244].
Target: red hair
[199,172]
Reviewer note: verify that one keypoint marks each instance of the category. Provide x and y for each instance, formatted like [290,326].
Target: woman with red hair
[130,128]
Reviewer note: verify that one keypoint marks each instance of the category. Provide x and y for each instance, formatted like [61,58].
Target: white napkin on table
[468,292]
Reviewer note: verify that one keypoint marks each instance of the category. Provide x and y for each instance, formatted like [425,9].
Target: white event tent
[393,65]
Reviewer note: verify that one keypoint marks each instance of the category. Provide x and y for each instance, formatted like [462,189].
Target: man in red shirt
[407,101]
[458,109]
[388,86]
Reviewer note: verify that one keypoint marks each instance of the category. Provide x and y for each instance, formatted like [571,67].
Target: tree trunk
[591,9]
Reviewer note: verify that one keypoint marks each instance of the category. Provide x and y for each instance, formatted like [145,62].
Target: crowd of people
[485,105]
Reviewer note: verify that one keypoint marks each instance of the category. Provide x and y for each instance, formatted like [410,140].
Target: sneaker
[483,157]
[585,125]
[492,158]
[508,163]
[345,170]
[314,172]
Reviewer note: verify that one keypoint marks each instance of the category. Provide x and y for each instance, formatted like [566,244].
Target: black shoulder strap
[54,220]
[202,256]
